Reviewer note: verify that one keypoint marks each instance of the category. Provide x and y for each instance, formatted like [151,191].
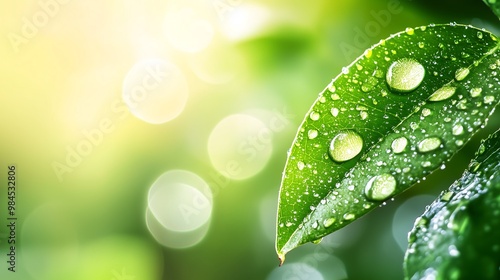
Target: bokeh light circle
[155,91]
[174,239]
[179,209]
[240,146]
[180,200]
[187,31]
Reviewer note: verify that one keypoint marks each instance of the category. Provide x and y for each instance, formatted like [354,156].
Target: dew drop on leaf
[314,116]
[335,112]
[328,222]
[457,129]
[301,165]
[475,92]
[345,146]
[399,144]
[429,144]
[443,93]
[461,73]
[313,133]
[489,99]
[405,75]
[380,187]
[349,216]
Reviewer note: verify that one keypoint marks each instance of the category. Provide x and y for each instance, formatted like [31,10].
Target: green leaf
[393,116]
[494,6]
[458,236]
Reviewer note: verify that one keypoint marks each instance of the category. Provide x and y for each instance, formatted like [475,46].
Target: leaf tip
[281,258]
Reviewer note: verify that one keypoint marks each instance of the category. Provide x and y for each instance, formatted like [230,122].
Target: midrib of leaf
[297,237]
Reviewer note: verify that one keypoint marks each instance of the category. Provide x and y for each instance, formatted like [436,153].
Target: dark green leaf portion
[494,6]
[458,237]
[394,115]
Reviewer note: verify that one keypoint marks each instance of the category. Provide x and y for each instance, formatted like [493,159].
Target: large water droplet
[429,144]
[380,187]
[405,75]
[443,93]
[345,146]
[399,144]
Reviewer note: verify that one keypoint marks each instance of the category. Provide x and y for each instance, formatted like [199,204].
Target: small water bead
[453,251]
[421,45]
[480,35]
[345,146]
[328,222]
[349,216]
[461,73]
[368,53]
[462,104]
[409,31]
[475,92]
[315,224]
[301,165]
[426,112]
[369,84]
[314,116]
[332,88]
[399,144]
[380,187]
[413,125]
[335,96]
[289,224]
[345,70]
[405,75]
[429,144]
[335,112]
[426,164]
[457,129]
[363,115]
[488,99]
[313,133]
[443,93]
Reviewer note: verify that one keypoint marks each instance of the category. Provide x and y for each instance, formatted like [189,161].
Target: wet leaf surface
[397,113]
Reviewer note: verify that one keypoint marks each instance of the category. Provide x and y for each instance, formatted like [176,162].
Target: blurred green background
[150,136]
